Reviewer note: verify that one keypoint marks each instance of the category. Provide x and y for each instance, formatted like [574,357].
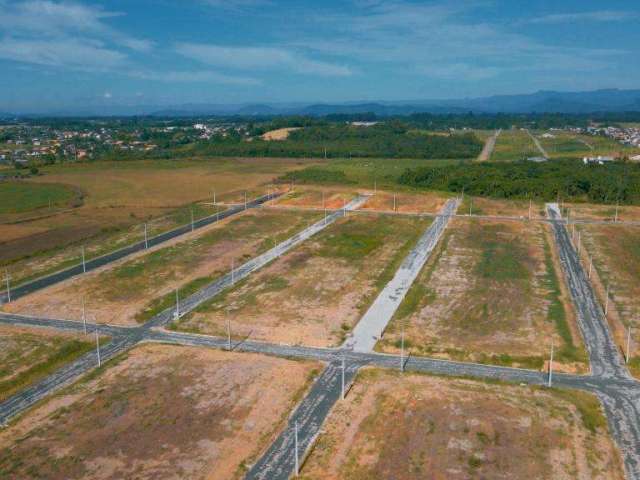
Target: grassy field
[489,294]
[568,144]
[616,257]
[158,412]
[28,355]
[589,211]
[513,145]
[501,208]
[415,427]
[138,288]
[19,197]
[118,198]
[315,294]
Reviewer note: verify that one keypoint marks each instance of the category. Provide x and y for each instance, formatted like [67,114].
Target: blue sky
[66,54]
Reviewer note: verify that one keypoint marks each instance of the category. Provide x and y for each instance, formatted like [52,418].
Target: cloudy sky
[66,54]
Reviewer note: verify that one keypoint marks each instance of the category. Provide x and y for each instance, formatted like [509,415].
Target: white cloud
[47,18]
[598,16]
[194,77]
[251,58]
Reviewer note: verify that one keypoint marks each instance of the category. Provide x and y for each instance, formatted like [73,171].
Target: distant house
[548,135]
[600,160]
[635,158]
[537,159]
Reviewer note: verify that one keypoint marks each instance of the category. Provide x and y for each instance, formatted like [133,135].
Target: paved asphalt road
[92,264]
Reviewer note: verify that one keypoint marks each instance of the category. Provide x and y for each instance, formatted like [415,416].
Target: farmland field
[316,293]
[568,144]
[157,412]
[135,289]
[118,197]
[491,293]
[416,427]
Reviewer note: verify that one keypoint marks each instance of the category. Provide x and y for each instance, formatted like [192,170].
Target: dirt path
[489,145]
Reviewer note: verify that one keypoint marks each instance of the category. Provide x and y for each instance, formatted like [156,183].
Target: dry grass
[120,196]
[427,202]
[159,412]
[120,293]
[316,197]
[502,208]
[488,294]
[315,294]
[590,211]
[416,427]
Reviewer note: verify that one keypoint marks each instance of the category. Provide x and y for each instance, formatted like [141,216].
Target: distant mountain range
[608,100]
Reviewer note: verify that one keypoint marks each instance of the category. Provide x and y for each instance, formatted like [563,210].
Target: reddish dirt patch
[162,412]
[416,427]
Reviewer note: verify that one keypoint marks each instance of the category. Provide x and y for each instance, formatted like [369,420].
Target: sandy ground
[428,202]
[416,427]
[312,295]
[279,134]
[161,412]
[316,197]
[116,293]
[482,294]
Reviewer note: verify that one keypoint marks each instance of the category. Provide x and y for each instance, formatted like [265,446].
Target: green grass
[513,145]
[21,197]
[62,351]
[501,261]
[588,407]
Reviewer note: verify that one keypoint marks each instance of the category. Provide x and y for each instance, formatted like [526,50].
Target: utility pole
[177,304]
[551,365]
[7,278]
[375,187]
[323,200]
[344,207]
[295,426]
[590,265]
[470,205]
[628,343]
[615,220]
[402,350]
[98,347]
[84,265]
[214,197]
[606,303]
[232,272]
[343,377]
[146,238]
[245,199]
[84,317]
[192,219]
[228,330]
[529,209]
[579,245]
[394,202]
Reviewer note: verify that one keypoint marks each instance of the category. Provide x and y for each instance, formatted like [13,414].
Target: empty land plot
[568,144]
[500,207]
[315,294]
[428,202]
[17,197]
[490,293]
[591,211]
[135,289]
[415,427]
[513,145]
[117,198]
[28,355]
[316,197]
[158,412]
[616,257]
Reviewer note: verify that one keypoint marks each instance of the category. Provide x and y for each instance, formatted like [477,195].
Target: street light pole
[146,238]
[551,365]
[98,347]
[628,342]
[296,448]
[7,278]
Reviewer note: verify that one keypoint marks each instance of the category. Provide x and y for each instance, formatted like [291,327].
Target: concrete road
[92,264]
[372,325]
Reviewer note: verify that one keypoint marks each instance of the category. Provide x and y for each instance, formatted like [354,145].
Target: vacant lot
[417,427]
[315,294]
[590,211]
[117,199]
[501,208]
[19,196]
[316,197]
[138,288]
[159,412]
[616,257]
[513,145]
[428,202]
[490,293]
[28,355]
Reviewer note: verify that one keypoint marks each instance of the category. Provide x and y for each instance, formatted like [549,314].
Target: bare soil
[416,427]
[483,296]
[118,292]
[160,412]
[316,197]
[428,202]
[315,294]
[279,134]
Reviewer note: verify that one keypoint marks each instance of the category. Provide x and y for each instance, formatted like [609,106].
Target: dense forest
[388,140]
[570,179]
